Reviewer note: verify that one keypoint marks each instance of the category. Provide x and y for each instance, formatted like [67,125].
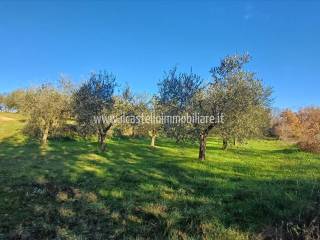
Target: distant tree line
[67,110]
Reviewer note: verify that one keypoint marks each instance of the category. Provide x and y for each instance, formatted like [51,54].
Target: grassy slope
[70,191]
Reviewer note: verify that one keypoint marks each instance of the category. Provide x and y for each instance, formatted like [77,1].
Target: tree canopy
[95,98]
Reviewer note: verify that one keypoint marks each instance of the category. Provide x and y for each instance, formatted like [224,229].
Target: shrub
[302,127]
[310,125]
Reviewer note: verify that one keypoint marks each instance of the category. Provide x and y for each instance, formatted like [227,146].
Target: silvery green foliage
[92,100]
[238,101]
[241,97]
[176,96]
[47,109]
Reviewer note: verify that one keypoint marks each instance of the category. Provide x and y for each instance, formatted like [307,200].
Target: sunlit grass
[69,190]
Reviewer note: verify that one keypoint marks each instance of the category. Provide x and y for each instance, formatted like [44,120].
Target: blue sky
[139,40]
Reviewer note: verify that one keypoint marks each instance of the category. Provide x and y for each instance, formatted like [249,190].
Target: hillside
[69,191]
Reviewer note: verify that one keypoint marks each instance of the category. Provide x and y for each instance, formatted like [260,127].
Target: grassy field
[69,191]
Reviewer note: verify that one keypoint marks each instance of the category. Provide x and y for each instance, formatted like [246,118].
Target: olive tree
[236,102]
[14,100]
[152,125]
[244,100]
[184,94]
[92,102]
[138,111]
[176,94]
[47,109]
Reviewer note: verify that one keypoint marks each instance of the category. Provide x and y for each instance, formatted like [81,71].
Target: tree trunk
[225,144]
[133,132]
[153,140]
[153,134]
[45,135]
[234,141]
[203,142]
[102,133]
[101,143]
[202,146]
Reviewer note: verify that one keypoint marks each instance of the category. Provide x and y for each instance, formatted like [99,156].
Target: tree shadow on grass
[68,190]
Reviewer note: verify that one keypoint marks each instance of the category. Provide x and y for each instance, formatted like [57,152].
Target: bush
[302,127]
[310,125]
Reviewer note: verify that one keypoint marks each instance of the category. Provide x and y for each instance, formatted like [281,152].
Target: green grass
[69,191]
